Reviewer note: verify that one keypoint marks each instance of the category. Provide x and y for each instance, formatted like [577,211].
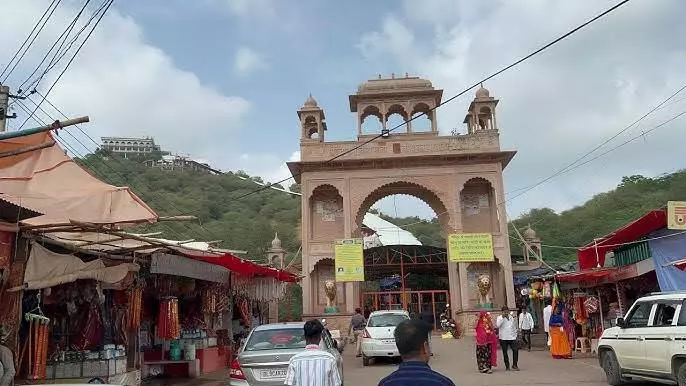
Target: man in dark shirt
[428,317]
[357,325]
[411,340]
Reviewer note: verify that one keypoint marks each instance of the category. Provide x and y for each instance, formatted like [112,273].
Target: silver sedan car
[263,359]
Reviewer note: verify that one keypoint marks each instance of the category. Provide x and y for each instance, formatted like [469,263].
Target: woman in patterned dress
[486,339]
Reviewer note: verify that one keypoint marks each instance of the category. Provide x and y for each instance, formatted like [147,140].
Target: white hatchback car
[649,344]
[377,338]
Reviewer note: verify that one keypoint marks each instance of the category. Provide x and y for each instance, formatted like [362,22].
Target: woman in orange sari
[559,348]
[486,344]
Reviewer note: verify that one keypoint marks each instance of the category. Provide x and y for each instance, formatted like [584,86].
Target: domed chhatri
[310,102]
[276,243]
[482,93]
[529,233]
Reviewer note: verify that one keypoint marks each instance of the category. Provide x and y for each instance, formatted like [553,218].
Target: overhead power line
[102,14]
[61,40]
[452,98]
[48,12]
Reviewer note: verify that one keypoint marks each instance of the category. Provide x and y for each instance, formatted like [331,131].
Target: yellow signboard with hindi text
[349,260]
[676,215]
[470,247]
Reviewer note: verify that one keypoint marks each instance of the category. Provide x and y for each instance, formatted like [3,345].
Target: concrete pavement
[455,359]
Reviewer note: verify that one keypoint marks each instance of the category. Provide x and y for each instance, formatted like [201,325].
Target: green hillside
[602,214]
[249,223]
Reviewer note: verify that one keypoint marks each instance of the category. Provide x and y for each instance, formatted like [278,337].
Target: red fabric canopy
[590,258]
[241,266]
[589,275]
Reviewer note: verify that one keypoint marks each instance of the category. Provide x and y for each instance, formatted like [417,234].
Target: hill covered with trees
[249,222]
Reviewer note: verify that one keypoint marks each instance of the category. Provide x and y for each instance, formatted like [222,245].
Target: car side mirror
[620,323]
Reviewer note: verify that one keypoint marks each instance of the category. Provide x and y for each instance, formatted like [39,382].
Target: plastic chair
[583,345]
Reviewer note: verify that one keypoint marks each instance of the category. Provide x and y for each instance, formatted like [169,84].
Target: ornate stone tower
[312,121]
[459,176]
[276,256]
[532,246]
[403,96]
[481,113]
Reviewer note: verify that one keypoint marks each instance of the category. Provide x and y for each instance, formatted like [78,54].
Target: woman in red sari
[486,344]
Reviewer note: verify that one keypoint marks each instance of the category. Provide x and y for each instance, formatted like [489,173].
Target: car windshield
[386,320]
[287,338]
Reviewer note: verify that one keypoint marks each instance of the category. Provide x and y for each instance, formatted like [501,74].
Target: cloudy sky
[222,79]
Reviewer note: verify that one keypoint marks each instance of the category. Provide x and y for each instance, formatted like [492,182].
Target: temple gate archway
[458,176]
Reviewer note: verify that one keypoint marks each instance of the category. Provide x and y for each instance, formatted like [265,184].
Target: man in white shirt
[507,333]
[314,366]
[547,312]
[526,324]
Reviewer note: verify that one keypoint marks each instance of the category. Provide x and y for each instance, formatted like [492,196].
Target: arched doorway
[405,261]
[458,176]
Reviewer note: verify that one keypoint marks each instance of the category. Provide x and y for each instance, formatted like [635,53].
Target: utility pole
[4,105]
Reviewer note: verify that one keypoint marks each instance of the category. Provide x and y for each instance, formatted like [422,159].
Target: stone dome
[529,233]
[482,93]
[310,102]
[276,243]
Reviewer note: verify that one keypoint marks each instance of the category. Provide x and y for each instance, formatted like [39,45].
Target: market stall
[74,320]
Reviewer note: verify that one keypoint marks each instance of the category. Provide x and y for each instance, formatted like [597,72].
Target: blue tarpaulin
[666,251]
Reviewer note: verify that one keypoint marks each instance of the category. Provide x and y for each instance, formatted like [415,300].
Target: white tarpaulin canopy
[46,269]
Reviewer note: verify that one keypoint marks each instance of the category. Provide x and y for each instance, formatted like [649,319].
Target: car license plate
[389,341]
[272,373]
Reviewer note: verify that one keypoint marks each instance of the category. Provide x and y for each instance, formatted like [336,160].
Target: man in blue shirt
[411,338]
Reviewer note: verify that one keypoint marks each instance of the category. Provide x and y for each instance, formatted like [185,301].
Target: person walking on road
[547,313]
[486,344]
[507,333]
[526,324]
[411,339]
[428,317]
[314,366]
[357,325]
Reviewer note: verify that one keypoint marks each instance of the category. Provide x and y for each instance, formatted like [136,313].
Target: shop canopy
[48,182]
[590,275]
[592,255]
[45,269]
[240,266]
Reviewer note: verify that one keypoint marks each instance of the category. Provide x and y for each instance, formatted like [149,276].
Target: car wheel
[366,360]
[681,375]
[611,368]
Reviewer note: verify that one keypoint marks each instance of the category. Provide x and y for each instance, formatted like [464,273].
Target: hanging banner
[676,215]
[349,258]
[470,247]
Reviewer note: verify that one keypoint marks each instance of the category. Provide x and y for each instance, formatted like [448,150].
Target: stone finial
[310,102]
[276,243]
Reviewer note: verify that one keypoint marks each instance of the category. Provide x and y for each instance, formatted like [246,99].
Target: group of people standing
[507,330]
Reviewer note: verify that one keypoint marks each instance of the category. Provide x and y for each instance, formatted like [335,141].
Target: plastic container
[189,352]
[175,351]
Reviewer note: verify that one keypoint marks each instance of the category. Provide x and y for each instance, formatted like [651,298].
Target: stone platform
[334,321]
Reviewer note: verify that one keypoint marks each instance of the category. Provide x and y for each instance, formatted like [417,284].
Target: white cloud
[248,61]
[268,166]
[563,102]
[127,86]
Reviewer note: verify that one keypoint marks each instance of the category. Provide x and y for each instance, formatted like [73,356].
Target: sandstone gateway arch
[458,176]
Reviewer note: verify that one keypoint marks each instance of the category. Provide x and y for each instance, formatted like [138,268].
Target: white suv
[649,344]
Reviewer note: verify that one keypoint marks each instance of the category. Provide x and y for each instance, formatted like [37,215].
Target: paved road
[455,359]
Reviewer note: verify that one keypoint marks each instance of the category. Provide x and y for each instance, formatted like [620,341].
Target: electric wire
[452,98]
[53,5]
[62,38]
[109,4]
